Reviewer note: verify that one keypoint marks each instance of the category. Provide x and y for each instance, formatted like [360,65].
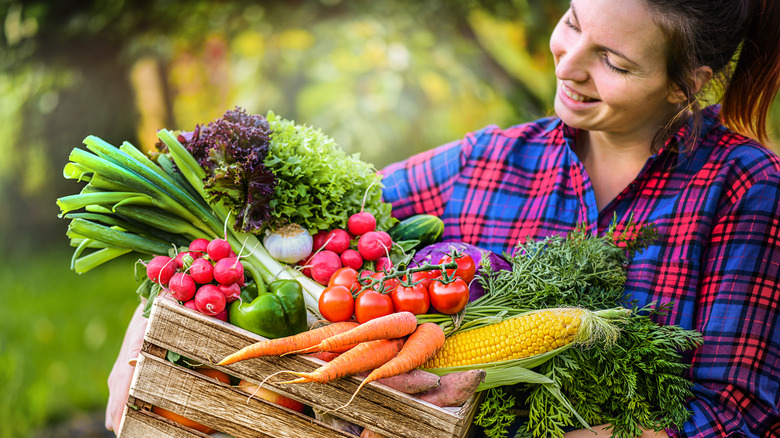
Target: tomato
[346,277]
[426,277]
[336,303]
[371,304]
[467,269]
[182,420]
[384,285]
[449,298]
[411,298]
[211,372]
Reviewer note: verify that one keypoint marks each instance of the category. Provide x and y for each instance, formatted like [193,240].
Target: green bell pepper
[274,313]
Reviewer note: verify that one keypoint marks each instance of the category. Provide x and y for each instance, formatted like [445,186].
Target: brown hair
[740,41]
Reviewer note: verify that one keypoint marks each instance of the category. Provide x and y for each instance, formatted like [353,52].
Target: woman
[630,139]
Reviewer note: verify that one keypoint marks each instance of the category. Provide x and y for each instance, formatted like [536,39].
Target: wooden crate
[227,409]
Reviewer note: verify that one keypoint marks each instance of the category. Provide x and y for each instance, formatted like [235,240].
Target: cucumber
[425,228]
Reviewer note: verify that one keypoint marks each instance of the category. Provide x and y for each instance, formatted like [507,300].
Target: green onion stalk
[132,204]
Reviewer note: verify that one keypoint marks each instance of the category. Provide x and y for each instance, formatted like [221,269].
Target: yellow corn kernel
[514,338]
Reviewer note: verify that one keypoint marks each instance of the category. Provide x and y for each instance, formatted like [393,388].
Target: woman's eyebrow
[618,53]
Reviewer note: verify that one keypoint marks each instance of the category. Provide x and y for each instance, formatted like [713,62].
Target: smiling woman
[629,146]
[630,141]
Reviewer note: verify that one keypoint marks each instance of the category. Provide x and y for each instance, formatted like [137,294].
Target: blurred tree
[385,79]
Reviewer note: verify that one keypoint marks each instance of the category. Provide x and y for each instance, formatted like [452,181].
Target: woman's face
[611,68]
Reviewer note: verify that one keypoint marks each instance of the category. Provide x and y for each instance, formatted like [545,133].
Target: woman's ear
[701,77]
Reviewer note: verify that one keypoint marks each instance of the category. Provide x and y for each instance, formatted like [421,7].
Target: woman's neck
[612,162]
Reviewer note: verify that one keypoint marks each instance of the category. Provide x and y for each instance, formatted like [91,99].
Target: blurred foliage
[58,339]
[385,79]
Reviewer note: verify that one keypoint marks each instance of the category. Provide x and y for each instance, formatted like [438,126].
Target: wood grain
[207,340]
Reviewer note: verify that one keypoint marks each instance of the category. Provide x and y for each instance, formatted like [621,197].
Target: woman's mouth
[573,95]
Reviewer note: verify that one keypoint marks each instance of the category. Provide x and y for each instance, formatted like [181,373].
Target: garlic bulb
[288,244]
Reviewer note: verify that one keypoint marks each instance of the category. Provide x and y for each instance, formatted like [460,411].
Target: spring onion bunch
[132,204]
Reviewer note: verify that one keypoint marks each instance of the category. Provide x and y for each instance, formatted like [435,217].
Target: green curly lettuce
[318,184]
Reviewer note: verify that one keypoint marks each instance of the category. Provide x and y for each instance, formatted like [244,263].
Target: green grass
[60,333]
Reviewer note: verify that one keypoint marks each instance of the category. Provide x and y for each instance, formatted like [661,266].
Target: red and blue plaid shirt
[717,210]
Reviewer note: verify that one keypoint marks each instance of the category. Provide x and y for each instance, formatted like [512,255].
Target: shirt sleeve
[422,184]
[736,371]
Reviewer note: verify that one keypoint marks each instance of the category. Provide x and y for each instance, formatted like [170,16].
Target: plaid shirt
[717,210]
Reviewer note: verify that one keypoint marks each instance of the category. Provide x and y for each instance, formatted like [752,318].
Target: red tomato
[467,269]
[371,304]
[346,277]
[336,303]
[411,299]
[384,285]
[426,277]
[449,298]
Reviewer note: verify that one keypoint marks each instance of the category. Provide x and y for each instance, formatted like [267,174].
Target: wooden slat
[144,423]
[219,406]
[201,338]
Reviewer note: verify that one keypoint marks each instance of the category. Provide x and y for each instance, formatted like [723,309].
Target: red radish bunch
[205,278]
[353,247]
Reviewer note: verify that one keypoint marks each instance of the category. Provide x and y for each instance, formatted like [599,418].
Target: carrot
[275,347]
[394,325]
[325,356]
[418,348]
[364,356]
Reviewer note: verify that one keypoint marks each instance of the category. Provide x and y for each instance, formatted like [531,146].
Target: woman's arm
[122,372]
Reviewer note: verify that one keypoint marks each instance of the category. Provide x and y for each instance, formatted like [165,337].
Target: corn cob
[522,336]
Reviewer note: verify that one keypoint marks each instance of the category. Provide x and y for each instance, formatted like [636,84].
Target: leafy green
[318,184]
[636,382]
[231,150]
[576,269]
[495,413]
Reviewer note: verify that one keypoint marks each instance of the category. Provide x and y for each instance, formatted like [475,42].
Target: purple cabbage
[434,252]
[231,150]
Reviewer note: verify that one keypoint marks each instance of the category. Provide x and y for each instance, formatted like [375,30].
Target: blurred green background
[385,79]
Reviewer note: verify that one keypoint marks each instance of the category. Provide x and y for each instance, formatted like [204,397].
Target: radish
[383,264]
[230,291]
[319,239]
[218,249]
[191,305]
[361,223]
[223,315]
[352,258]
[209,300]
[182,286]
[160,269]
[228,270]
[337,241]
[305,268]
[323,265]
[185,258]
[199,246]
[374,244]
[202,271]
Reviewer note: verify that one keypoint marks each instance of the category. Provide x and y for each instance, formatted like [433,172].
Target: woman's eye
[569,23]
[613,67]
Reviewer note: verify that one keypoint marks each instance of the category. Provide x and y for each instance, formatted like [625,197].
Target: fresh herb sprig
[637,382]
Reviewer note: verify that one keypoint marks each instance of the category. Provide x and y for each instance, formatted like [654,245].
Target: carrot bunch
[387,346]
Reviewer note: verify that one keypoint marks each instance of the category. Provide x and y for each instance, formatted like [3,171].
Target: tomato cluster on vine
[365,295]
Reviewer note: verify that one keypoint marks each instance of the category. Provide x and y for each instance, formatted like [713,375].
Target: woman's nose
[570,64]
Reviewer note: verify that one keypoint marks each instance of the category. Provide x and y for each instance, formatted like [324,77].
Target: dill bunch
[579,269]
[636,382]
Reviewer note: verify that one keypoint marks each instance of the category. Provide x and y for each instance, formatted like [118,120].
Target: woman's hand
[122,373]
